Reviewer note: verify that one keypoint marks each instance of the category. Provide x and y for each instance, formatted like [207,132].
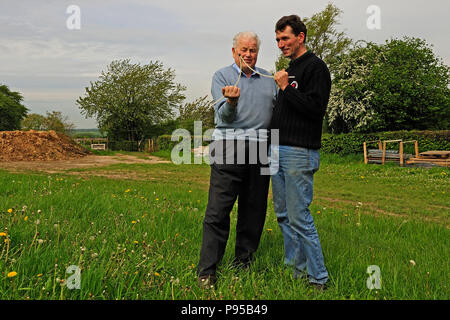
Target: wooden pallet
[382,155]
[440,158]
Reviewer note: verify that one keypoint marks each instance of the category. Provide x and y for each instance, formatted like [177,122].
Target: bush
[123,145]
[348,143]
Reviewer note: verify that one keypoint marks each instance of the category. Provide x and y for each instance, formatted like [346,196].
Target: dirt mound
[38,146]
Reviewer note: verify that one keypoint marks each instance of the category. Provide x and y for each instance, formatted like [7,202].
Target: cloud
[51,65]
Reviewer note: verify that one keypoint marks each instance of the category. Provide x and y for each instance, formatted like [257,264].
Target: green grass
[139,237]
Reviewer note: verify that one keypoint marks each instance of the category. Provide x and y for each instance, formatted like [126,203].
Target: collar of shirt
[236,67]
[303,57]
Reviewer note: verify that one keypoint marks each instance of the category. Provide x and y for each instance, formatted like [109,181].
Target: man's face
[248,50]
[290,44]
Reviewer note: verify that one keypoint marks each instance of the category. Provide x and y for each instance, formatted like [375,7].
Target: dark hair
[294,22]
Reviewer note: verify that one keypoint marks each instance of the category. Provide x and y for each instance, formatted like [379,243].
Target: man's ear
[301,37]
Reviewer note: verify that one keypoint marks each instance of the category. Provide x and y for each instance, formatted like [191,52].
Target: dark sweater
[300,108]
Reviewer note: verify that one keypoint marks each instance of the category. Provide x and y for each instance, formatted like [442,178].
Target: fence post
[401,153]
[365,153]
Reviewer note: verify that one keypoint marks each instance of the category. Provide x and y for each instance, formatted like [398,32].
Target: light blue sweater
[254,108]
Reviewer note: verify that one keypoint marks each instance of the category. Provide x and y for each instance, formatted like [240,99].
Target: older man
[245,107]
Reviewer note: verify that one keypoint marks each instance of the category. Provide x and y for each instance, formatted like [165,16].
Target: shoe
[318,286]
[241,263]
[207,281]
[302,275]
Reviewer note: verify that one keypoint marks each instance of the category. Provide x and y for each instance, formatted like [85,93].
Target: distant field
[138,235]
[86,133]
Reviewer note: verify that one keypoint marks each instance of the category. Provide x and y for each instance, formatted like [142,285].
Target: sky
[51,64]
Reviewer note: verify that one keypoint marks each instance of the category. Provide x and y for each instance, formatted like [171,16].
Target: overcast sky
[51,65]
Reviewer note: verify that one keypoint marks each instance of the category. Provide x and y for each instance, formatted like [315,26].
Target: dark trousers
[229,182]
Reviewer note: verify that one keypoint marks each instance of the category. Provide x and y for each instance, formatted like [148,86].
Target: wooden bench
[98,146]
[382,155]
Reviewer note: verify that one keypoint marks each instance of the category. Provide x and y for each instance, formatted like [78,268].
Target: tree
[400,85]
[322,38]
[56,121]
[12,111]
[33,121]
[201,109]
[128,98]
[53,121]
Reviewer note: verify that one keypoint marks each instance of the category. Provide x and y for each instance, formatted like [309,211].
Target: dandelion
[128,190]
[26,218]
[12,274]
[39,275]
[190,191]
[318,212]
[136,242]
[3,234]
[157,199]
[10,210]
[133,222]
[157,274]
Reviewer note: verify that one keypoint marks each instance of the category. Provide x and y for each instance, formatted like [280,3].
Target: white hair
[246,34]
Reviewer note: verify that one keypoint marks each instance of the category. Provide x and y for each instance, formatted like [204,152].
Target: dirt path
[57,166]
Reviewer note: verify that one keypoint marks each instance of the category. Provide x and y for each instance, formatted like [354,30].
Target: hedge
[348,143]
[164,142]
[351,143]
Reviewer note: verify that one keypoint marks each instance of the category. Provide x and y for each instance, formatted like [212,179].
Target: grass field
[138,237]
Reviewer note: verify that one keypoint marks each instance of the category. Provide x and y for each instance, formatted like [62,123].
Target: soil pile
[38,146]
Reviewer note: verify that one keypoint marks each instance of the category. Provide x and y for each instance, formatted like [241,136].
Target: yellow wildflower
[133,222]
[26,218]
[128,190]
[2,234]
[12,274]
[39,275]
[157,274]
[10,210]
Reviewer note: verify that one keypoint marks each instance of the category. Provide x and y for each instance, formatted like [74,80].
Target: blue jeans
[292,188]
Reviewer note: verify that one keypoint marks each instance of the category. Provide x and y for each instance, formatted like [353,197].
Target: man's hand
[282,79]
[232,93]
